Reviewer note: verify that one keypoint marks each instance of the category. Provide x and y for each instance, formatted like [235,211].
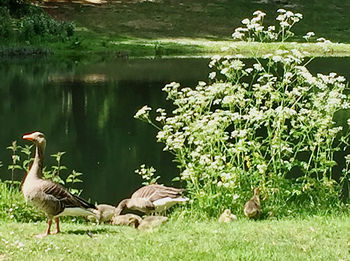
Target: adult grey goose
[49,197]
[152,198]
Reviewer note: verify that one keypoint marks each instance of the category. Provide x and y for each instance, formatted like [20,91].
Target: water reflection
[87,110]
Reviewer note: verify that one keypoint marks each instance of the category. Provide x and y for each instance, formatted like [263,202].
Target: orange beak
[28,137]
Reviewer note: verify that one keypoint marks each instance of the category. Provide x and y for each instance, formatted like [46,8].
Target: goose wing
[155,192]
[63,196]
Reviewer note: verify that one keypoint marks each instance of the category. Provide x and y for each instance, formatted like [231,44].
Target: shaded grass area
[133,28]
[210,19]
[315,238]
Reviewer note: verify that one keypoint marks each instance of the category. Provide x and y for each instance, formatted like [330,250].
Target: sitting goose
[49,197]
[126,220]
[252,207]
[227,216]
[150,222]
[152,198]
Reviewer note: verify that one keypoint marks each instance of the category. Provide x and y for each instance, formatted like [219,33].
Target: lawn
[182,28]
[313,238]
[192,28]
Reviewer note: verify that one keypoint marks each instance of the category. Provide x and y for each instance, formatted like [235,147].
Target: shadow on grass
[89,232]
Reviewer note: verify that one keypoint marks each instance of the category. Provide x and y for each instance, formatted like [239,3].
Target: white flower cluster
[254,30]
[162,115]
[147,174]
[143,113]
[287,18]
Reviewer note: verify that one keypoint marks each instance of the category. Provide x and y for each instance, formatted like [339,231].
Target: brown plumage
[49,197]
[126,220]
[150,222]
[103,213]
[152,198]
[252,207]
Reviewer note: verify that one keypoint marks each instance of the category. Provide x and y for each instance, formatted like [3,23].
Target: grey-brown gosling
[126,220]
[227,216]
[151,222]
[47,196]
[252,207]
[152,198]
[103,213]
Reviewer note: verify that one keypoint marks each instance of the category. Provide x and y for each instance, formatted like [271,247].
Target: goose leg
[57,225]
[49,223]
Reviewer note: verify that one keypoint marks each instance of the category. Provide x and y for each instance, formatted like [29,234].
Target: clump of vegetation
[267,123]
[12,203]
[21,20]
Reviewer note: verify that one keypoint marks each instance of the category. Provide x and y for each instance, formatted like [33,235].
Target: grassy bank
[191,28]
[316,238]
[88,45]
[172,28]
[85,46]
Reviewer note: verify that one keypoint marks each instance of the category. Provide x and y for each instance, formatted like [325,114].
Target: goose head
[227,212]
[256,192]
[37,138]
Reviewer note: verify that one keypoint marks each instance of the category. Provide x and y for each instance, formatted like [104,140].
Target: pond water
[87,111]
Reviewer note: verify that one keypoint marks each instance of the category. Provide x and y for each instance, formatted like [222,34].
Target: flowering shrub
[267,124]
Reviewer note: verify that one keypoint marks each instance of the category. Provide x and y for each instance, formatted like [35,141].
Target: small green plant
[54,173]
[15,159]
[72,179]
[267,123]
[26,150]
[147,174]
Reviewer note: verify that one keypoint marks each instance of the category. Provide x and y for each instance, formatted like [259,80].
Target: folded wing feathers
[154,192]
[64,197]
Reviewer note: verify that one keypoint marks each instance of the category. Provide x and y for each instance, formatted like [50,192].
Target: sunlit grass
[89,45]
[316,238]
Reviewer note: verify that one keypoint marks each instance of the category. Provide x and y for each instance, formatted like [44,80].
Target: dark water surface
[87,111]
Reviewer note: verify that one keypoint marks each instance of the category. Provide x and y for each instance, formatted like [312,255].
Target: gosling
[227,216]
[126,220]
[103,213]
[252,207]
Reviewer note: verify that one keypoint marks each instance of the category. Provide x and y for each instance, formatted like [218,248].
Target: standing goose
[152,198]
[49,197]
[252,207]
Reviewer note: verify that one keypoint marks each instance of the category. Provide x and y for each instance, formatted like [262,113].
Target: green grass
[89,46]
[315,238]
[176,28]
[191,28]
